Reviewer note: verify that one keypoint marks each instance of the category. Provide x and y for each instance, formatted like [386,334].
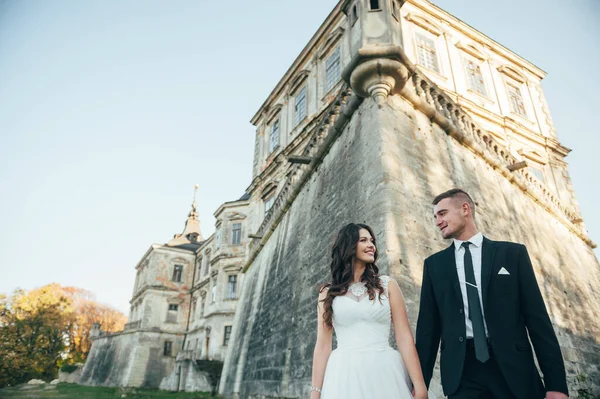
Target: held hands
[556,395]
[420,393]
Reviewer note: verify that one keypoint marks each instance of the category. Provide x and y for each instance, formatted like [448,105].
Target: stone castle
[390,103]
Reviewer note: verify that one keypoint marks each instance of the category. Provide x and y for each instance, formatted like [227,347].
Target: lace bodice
[362,322]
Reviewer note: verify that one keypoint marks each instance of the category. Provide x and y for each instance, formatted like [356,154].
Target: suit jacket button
[461,311]
[461,339]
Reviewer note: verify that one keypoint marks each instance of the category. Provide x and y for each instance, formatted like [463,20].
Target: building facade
[389,104]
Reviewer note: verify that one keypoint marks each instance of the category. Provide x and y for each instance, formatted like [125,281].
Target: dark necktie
[481,349]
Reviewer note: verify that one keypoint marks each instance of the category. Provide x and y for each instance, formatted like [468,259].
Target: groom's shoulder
[506,245]
[434,258]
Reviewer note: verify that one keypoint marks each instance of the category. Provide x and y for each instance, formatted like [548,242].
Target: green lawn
[74,391]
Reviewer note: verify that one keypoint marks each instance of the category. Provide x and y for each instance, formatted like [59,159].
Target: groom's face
[449,217]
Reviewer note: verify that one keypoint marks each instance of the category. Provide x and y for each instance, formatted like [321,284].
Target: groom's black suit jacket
[513,306]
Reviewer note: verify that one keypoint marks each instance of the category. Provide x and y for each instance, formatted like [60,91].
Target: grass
[74,391]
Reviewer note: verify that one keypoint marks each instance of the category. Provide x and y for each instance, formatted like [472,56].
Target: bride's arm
[322,348]
[405,340]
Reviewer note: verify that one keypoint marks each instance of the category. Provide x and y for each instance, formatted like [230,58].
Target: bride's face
[365,249]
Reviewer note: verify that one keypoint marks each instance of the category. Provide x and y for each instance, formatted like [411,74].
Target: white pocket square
[504,271]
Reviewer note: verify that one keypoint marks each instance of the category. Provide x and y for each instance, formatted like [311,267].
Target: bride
[361,306]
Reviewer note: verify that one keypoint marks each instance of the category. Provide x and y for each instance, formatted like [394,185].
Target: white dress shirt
[459,254]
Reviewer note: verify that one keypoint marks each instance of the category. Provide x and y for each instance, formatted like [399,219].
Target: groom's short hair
[457,193]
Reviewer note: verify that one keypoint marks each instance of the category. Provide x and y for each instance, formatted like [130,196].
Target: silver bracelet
[315,389]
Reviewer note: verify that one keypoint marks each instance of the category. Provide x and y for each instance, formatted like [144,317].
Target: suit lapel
[451,270]
[488,251]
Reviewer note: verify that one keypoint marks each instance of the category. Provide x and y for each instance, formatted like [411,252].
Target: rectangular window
[427,52]
[172,313]
[167,348]
[236,233]
[333,69]
[232,287]
[274,136]
[226,335]
[374,4]
[516,99]
[300,106]
[475,78]
[202,307]
[177,272]
[269,204]
[194,303]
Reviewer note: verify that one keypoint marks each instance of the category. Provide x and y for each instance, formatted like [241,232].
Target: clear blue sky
[110,112]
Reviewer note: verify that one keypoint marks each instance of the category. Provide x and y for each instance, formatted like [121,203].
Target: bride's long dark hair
[342,268]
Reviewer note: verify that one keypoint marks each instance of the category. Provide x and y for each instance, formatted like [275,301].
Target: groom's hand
[556,395]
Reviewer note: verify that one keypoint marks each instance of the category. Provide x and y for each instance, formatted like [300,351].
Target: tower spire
[191,232]
[193,213]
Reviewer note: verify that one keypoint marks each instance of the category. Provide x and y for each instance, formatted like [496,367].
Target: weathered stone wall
[131,359]
[384,170]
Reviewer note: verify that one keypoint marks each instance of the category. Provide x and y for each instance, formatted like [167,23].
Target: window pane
[300,106]
[516,100]
[236,233]
[427,52]
[274,136]
[475,78]
[231,287]
[332,69]
[226,335]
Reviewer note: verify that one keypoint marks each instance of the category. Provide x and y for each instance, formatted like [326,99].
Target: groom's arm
[428,327]
[539,326]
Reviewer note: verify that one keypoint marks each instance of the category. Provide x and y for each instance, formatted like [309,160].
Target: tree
[32,334]
[46,327]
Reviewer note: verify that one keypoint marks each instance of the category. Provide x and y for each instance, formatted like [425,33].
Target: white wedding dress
[364,366]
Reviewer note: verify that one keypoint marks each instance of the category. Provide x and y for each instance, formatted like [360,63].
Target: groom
[481,298]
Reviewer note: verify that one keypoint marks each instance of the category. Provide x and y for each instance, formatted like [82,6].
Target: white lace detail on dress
[384,283]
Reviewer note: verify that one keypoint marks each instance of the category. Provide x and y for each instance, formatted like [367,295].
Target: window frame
[177,273]
[335,65]
[231,293]
[418,49]
[274,144]
[467,60]
[236,234]
[517,86]
[227,335]
[300,117]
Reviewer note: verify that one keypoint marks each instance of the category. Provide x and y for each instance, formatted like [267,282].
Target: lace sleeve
[385,280]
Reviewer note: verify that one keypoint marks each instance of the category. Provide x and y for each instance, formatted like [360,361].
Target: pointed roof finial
[193,214]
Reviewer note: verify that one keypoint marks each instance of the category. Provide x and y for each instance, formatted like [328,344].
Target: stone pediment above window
[236,267]
[236,216]
[179,260]
[273,113]
[269,190]
[533,155]
[512,73]
[471,49]
[298,81]
[426,24]
[331,42]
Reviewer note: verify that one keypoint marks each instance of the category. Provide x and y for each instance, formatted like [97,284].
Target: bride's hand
[420,394]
